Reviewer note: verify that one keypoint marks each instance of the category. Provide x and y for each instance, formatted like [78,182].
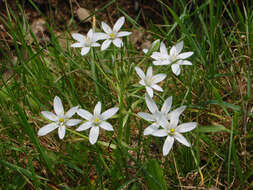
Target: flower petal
[84,126]
[47,129]
[78,37]
[145,50]
[119,23]
[173,51]
[179,46]
[90,34]
[85,50]
[84,114]
[61,131]
[97,109]
[99,36]
[71,112]
[176,113]
[93,136]
[157,87]
[140,72]
[158,78]
[123,33]
[160,133]
[163,49]
[176,69]
[166,105]
[185,55]
[185,62]
[73,122]
[149,72]
[77,45]
[106,126]
[151,104]
[105,44]
[58,107]
[117,42]
[150,91]
[168,145]
[150,129]
[95,44]
[156,56]
[185,127]
[146,116]
[106,28]
[180,138]
[49,115]
[109,113]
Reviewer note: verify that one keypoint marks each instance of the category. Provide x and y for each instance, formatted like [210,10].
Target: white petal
[140,72]
[95,44]
[145,51]
[99,36]
[158,62]
[180,138]
[84,126]
[119,23]
[78,37]
[160,133]
[185,55]
[142,82]
[109,113]
[163,49]
[179,46]
[47,129]
[93,136]
[150,129]
[84,114]
[58,108]
[146,116]
[185,62]
[106,28]
[168,145]
[71,112]
[158,78]
[106,126]
[85,50]
[149,91]
[167,105]
[90,34]
[156,87]
[156,55]
[77,45]
[97,109]
[173,51]
[61,131]
[123,33]
[176,113]
[49,115]
[149,72]
[117,42]
[176,69]
[73,122]
[185,127]
[151,104]
[105,44]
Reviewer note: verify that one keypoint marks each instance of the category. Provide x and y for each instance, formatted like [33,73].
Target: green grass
[216,90]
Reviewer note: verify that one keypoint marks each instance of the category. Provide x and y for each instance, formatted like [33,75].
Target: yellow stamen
[172,131]
[61,119]
[112,35]
[96,120]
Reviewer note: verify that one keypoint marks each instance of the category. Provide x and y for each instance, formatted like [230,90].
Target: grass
[216,90]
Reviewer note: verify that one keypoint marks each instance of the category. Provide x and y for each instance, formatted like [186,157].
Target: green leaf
[212,129]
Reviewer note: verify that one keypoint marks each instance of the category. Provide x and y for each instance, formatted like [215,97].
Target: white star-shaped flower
[176,58]
[156,116]
[60,119]
[149,81]
[113,35]
[173,131]
[86,42]
[96,120]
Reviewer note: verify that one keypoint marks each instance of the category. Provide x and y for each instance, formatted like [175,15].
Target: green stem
[94,74]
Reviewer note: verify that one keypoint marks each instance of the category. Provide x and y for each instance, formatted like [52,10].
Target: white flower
[153,46]
[96,120]
[86,42]
[113,35]
[176,58]
[60,120]
[149,81]
[156,116]
[173,131]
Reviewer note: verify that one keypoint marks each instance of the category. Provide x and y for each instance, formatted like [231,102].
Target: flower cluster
[164,122]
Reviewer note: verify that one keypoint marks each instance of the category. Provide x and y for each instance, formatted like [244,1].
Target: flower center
[149,81]
[172,131]
[112,35]
[61,120]
[96,120]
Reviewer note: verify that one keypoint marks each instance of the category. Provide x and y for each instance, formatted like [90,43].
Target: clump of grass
[216,90]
